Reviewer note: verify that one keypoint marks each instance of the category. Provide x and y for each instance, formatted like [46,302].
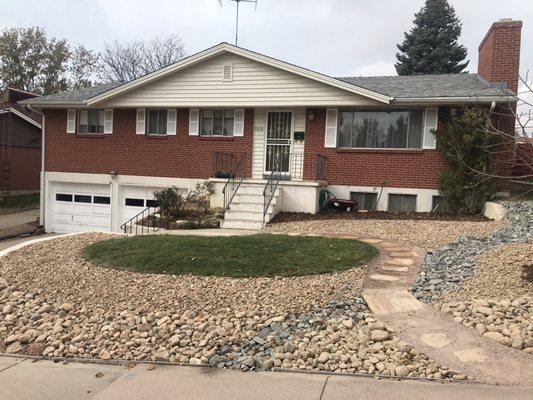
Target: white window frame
[213,110]
[101,112]
[147,123]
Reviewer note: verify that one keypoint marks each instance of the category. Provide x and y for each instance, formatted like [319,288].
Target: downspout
[42,196]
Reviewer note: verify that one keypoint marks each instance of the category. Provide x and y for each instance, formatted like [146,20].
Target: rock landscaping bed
[484,282]
[54,303]
[426,234]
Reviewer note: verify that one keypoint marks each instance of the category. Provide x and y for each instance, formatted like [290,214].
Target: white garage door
[81,207]
[135,199]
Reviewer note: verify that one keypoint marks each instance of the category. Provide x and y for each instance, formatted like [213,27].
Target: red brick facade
[25,169]
[499,53]
[371,167]
[123,151]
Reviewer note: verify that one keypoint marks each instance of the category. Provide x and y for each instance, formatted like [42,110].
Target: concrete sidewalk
[22,379]
[18,218]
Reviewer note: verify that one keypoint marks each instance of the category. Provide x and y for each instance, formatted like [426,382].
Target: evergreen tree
[431,46]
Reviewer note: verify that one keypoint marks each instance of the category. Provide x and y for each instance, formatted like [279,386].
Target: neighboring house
[227,111]
[20,136]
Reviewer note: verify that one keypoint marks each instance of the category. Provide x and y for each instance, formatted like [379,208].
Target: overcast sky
[335,37]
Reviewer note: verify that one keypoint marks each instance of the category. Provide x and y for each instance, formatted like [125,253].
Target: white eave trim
[454,100]
[21,115]
[226,47]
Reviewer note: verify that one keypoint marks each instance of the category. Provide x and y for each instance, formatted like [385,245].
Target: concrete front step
[242,224]
[250,207]
[250,215]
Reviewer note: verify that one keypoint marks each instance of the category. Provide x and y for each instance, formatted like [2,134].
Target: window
[101,200]
[91,121]
[402,202]
[135,202]
[437,204]
[381,129]
[216,123]
[82,198]
[63,197]
[157,122]
[366,201]
[151,203]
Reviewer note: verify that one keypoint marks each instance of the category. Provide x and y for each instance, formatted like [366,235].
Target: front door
[278,142]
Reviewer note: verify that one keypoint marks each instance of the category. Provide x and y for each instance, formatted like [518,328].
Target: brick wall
[499,53]
[24,170]
[180,156]
[391,168]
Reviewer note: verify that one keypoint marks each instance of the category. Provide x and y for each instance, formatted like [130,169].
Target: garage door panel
[81,214]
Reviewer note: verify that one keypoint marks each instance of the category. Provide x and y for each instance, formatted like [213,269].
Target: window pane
[228,114]
[82,198]
[162,130]
[397,123]
[228,126]
[96,121]
[207,126]
[366,201]
[151,203]
[101,200]
[218,117]
[84,121]
[135,202]
[63,197]
[415,129]
[402,202]
[345,129]
[152,122]
[437,204]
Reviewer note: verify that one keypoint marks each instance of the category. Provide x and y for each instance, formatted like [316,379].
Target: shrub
[170,203]
[465,145]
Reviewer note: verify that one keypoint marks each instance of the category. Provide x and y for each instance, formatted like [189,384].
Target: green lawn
[236,256]
[22,201]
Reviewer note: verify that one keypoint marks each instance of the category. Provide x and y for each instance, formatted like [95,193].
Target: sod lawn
[260,255]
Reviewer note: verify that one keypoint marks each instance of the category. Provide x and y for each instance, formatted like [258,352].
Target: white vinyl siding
[253,84]
[430,126]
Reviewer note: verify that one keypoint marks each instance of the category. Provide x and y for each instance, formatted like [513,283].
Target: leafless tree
[122,62]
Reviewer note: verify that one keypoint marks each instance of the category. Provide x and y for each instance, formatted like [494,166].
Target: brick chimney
[499,53]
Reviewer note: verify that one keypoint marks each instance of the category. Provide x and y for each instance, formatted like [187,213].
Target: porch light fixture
[311,114]
[113,174]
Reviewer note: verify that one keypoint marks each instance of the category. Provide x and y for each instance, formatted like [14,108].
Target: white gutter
[453,100]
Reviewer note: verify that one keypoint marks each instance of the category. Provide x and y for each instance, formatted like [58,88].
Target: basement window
[366,201]
[402,202]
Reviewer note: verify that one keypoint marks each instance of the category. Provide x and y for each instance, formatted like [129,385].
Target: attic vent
[227,73]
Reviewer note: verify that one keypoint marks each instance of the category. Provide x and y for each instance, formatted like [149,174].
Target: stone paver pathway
[386,290]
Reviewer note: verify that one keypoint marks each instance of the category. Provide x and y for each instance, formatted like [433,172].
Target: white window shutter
[238,122]
[108,121]
[194,121]
[71,121]
[431,117]
[141,121]
[330,139]
[171,121]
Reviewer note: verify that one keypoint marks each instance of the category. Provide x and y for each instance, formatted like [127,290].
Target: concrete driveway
[22,379]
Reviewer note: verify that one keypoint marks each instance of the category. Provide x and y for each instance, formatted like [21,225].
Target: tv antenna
[237,2]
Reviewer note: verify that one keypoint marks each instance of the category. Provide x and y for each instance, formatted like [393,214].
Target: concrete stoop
[386,291]
[246,208]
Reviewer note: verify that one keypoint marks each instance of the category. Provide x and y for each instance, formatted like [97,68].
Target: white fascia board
[226,47]
[21,115]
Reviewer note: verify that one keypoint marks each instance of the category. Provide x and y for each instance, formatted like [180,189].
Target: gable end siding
[252,84]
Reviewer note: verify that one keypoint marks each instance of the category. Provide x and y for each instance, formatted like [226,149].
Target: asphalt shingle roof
[76,95]
[415,86]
